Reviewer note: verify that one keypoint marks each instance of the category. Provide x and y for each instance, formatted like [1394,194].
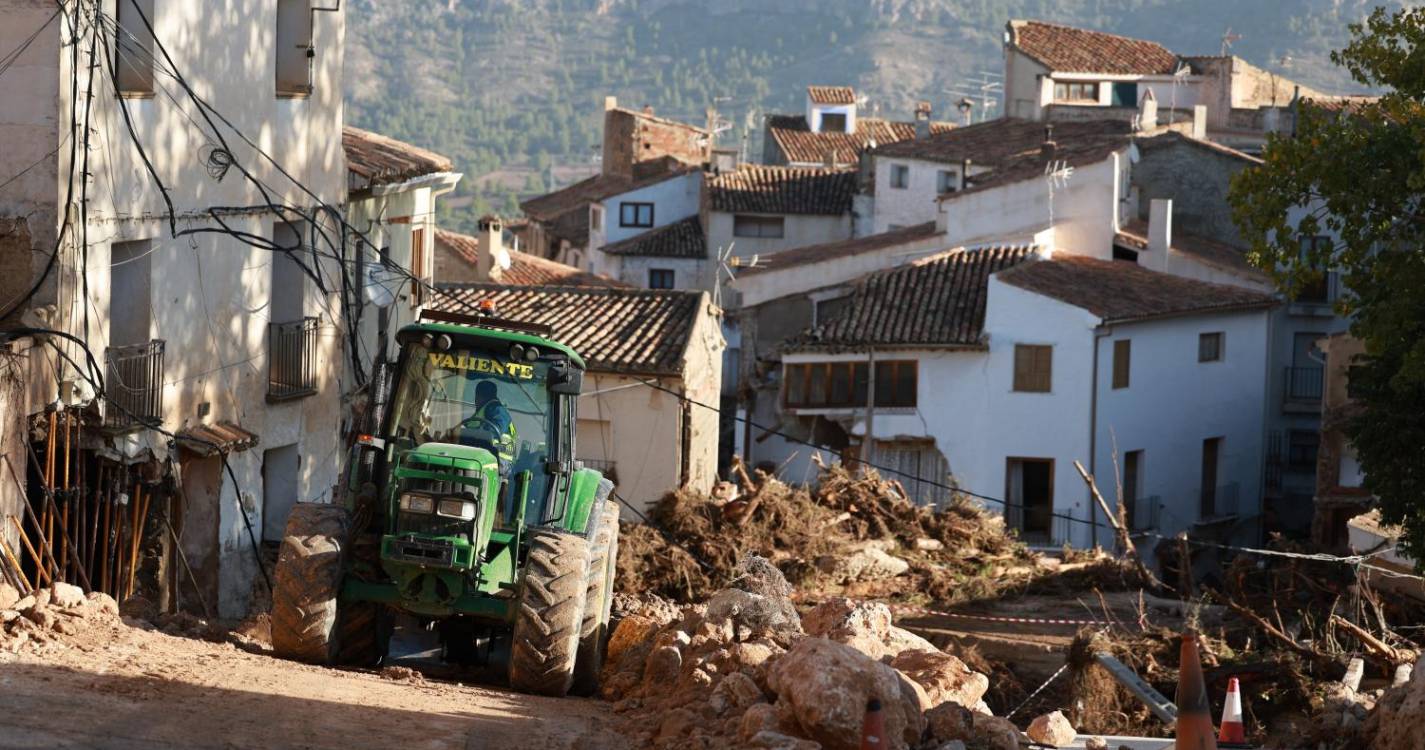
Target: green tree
[1358,173]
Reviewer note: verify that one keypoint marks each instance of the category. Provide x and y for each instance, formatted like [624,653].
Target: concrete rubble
[745,670]
[49,615]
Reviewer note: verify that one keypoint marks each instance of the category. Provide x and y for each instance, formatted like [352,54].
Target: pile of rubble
[745,669]
[49,615]
[854,534]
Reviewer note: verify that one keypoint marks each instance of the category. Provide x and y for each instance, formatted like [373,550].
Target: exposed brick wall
[631,138]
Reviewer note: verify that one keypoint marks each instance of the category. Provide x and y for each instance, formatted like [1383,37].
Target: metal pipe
[47,530]
[17,573]
[141,516]
[49,499]
[30,513]
[104,537]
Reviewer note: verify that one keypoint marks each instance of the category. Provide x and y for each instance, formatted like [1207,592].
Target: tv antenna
[1056,175]
[1227,39]
[728,264]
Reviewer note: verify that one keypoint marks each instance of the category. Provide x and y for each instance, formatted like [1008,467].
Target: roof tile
[681,239]
[756,188]
[806,254]
[525,269]
[1067,49]
[801,146]
[373,159]
[832,94]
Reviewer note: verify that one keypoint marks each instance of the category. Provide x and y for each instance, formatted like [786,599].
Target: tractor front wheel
[551,609]
[307,581]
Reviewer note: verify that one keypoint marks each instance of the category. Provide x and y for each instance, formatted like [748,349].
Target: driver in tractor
[491,426]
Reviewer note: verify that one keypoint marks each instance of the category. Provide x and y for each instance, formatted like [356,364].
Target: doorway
[280,467]
[1029,488]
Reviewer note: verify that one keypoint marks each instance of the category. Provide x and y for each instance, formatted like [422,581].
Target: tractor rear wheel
[307,581]
[363,633]
[598,602]
[551,610]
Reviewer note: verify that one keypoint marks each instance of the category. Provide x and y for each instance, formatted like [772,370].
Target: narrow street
[116,687]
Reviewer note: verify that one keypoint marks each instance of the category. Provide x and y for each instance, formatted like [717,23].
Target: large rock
[951,721]
[747,613]
[944,677]
[824,687]
[773,611]
[865,626]
[8,596]
[1052,729]
[870,563]
[65,595]
[630,632]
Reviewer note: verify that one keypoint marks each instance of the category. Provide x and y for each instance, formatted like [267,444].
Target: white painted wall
[764,286]
[1022,85]
[673,200]
[915,203]
[798,230]
[815,111]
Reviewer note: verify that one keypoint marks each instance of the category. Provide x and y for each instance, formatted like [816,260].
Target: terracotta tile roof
[801,146]
[1066,49]
[636,331]
[565,212]
[1119,291]
[373,159]
[806,254]
[1031,166]
[935,302]
[681,239]
[1134,235]
[525,269]
[993,142]
[212,439]
[1170,138]
[832,94]
[757,188]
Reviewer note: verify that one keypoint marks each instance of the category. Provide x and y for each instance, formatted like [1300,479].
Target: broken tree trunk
[1120,530]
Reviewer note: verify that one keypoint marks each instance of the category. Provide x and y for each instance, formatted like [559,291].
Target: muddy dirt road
[116,686]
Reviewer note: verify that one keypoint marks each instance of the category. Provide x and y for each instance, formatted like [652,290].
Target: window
[294,48]
[833,122]
[596,218]
[660,278]
[1033,368]
[1122,356]
[131,292]
[635,215]
[1125,94]
[133,43]
[757,226]
[1317,289]
[946,181]
[1075,92]
[1132,486]
[1209,347]
[418,264]
[1029,488]
[900,176]
[840,385]
[827,309]
[288,280]
[1208,504]
[1301,449]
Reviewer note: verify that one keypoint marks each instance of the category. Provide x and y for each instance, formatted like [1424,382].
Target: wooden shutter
[1033,368]
[1122,354]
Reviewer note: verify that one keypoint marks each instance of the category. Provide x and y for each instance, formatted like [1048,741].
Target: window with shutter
[1122,354]
[1033,368]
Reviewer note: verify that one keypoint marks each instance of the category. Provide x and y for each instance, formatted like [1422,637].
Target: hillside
[513,89]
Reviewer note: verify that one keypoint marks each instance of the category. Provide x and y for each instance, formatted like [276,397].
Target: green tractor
[465,509]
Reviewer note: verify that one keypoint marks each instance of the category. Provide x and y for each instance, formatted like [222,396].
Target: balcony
[133,386]
[292,360]
[1302,386]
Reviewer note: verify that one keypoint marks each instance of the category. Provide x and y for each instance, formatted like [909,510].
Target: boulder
[769,740]
[662,668]
[870,563]
[735,692]
[757,575]
[65,595]
[823,687]
[747,613]
[758,717]
[8,596]
[630,632]
[944,677]
[1095,743]
[104,603]
[865,626]
[1052,729]
[951,721]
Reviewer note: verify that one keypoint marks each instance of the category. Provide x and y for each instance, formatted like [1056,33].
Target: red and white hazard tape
[903,609]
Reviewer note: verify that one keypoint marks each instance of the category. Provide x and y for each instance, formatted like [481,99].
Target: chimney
[1049,147]
[493,257]
[1199,121]
[610,102]
[1160,228]
[922,120]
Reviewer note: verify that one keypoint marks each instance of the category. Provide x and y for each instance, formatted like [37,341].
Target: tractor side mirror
[565,380]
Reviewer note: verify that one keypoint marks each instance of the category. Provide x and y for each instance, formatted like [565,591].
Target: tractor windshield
[480,398]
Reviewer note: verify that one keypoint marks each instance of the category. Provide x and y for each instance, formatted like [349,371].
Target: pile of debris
[854,534]
[744,669]
[50,615]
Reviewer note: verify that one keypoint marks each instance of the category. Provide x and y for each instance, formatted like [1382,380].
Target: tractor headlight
[412,503]
[455,508]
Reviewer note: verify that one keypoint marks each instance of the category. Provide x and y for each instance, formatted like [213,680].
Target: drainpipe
[1099,333]
[869,448]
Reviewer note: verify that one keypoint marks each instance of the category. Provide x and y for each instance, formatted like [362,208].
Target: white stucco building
[651,236]
[758,210]
[1008,364]
[215,325]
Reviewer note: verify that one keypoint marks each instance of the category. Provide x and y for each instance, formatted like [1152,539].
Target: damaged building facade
[183,366]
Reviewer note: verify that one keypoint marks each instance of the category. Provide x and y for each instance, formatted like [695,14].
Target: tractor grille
[433,525]
[423,552]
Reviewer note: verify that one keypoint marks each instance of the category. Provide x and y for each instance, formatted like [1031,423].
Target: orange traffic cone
[1194,725]
[873,728]
[1232,731]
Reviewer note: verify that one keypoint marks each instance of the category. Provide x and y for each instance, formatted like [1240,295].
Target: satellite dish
[381,284]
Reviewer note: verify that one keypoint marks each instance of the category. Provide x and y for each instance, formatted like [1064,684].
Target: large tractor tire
[363,633]
[551,612]
[307,581]
[598,601]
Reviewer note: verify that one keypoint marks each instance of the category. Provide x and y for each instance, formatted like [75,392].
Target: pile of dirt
[853,534]
[744,669]
[51,617]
